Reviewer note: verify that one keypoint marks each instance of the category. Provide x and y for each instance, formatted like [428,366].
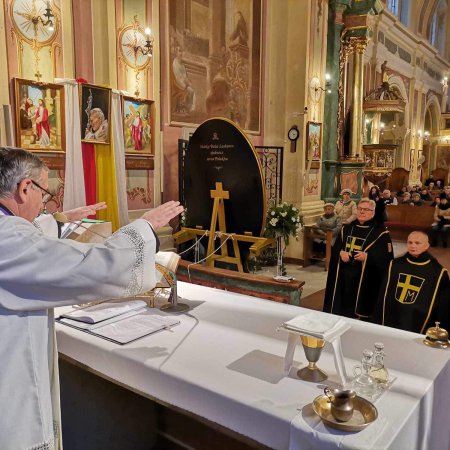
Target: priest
[359,261]
[38,273]
[416,291]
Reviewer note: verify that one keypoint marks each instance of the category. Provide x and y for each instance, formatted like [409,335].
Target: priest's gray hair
[369,201]
[16,165]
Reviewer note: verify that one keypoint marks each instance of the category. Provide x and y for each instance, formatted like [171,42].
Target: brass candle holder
[313,348]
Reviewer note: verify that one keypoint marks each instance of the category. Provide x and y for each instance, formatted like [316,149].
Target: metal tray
[364,413]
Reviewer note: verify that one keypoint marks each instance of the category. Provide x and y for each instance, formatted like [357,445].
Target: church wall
[413,62]
[87,47]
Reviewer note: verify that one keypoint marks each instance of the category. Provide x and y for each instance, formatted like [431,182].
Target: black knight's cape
[352,288]
[415,295]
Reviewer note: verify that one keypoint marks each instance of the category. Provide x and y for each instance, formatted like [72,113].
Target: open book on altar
[118,321]
[166,267]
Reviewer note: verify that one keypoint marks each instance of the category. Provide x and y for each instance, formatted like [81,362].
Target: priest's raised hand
[160,216]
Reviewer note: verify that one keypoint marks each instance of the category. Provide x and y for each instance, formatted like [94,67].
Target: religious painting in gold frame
[40,119]
[214,61]
[313,141]
[95,114]
[138,126]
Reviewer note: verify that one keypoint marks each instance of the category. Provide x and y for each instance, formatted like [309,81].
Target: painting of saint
[40,116]
[313,141]
[137,125]
[214,62]
[95,106]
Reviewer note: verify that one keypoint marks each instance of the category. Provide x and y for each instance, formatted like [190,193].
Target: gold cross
[219,192]
[406,287]
[38,75]
[352,246]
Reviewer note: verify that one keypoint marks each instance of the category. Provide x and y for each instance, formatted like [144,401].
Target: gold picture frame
[138,118]
[40,116]
[313,141]
[95,114]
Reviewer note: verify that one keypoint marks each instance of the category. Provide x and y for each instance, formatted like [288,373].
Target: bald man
[416,292]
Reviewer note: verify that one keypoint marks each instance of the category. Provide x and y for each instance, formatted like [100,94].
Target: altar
[224,362]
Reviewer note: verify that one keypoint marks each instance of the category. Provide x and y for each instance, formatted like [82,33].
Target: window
[399,8]
[394,6]
[437,26]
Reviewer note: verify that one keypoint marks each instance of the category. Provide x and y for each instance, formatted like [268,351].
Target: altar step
[244,283]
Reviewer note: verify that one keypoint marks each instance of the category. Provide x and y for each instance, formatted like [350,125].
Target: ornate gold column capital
[360,45]
[355,44]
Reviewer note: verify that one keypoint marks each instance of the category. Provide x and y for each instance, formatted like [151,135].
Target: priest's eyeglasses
[365,209]
[46,195]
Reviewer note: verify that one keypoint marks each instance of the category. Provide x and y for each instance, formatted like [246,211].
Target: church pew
[402,219]
[309,234]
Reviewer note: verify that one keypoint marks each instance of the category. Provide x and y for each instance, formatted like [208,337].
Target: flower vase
[279,256]
[281,274]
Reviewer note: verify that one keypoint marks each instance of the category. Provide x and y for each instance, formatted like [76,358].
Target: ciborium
[313,348]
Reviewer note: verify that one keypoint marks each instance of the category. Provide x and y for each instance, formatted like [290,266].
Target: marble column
[359,46]
[330,155]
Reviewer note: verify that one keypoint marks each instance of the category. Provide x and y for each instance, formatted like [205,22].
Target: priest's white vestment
[38,273]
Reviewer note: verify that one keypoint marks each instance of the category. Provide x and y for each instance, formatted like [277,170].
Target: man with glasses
[359,261]
[38,273]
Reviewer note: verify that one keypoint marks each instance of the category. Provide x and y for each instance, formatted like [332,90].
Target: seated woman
[346,207]
[416,200]
[441,224]
[328,221]
[406,198]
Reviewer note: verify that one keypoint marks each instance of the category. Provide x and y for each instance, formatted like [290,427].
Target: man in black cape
[359,261]
[416,291]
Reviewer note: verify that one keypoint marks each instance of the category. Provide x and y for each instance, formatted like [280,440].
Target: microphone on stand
[60,217]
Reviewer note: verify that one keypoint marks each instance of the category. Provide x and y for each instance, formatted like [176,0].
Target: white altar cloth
[225,362]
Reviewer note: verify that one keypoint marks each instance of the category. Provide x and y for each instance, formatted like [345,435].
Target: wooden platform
[243,283]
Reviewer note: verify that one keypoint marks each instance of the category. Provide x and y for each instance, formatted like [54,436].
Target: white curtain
[119,157]
[74,192]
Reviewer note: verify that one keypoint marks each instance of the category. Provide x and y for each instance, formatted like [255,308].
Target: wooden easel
[218,212]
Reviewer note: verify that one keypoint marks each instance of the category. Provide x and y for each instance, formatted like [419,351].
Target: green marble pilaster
[354,168]
[330,151]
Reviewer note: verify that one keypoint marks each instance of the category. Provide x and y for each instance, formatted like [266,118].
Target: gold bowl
[436,337]
[364,413]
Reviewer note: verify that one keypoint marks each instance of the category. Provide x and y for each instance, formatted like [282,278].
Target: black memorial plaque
[219,151]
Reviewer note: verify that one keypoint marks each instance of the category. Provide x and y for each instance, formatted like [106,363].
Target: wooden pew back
[402,219]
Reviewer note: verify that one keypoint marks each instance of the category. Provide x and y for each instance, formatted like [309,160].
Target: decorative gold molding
[28,14]
[132,62]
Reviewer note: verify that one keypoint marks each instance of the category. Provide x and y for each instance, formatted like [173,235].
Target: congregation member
[406,198]
[345,207]
[416,292]
[359,262]
[329,220]
[436,201]
[441,225]
[425,195]
[416,200]
[388,199]
[38,273]
[380,206]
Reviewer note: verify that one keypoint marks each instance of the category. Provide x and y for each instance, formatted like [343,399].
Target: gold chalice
[313,348]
